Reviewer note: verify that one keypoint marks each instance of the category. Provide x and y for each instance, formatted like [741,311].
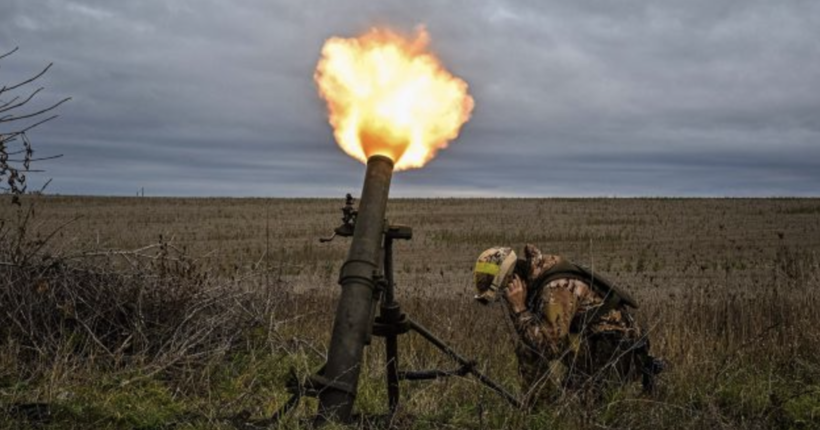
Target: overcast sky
[605,98]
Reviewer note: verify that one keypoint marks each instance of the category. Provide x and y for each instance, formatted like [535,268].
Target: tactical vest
[613,297]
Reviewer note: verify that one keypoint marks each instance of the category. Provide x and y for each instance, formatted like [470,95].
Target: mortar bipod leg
[391,343]
[469,365]
[391,312]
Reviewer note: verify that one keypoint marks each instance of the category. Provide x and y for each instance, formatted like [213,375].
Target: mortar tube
[353,313]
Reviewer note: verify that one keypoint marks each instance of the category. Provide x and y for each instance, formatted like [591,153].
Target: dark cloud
[572,98]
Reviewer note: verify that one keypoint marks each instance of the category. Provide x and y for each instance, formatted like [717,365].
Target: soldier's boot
[652,366]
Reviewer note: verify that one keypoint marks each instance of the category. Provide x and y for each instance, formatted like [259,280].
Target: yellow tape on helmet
[488,268]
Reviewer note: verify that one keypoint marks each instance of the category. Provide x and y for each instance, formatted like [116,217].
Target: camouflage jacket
[553,353]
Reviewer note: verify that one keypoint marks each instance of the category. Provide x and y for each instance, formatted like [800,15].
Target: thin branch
[11,137]
[43,188]
[14,99]
[27,171]
[29,80]
[17,160]
[137,252]
[33,114]
[38,123]
[94,337]
[48,238]
[9,53]
[6,106]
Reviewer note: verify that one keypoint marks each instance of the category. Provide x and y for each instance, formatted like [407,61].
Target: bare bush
[161,312]
[16,151]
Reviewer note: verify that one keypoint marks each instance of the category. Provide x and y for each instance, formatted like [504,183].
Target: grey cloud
[572,98]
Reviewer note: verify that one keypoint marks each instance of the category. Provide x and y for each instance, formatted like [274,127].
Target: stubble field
[190,313]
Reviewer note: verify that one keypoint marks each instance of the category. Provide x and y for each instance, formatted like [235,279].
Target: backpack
[613,298]
[612,295]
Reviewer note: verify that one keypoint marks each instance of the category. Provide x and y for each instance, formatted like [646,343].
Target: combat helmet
[492,272]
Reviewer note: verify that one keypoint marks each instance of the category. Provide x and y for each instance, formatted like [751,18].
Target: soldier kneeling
[574,328]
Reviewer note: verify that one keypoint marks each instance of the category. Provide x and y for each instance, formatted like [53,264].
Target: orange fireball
[388,95]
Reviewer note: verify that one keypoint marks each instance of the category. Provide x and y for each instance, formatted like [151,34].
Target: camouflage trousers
[589,366]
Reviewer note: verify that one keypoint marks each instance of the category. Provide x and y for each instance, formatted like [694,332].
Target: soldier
[574,329]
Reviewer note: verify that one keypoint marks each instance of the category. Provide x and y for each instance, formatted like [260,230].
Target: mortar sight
[348,221]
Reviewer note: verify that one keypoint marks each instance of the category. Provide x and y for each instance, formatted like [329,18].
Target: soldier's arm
[549,331]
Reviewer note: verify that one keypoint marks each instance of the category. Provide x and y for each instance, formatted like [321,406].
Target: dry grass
[221,297]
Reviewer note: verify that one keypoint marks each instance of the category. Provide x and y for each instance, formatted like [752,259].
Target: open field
[160,313]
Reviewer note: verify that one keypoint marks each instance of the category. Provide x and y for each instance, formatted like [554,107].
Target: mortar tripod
[390,323]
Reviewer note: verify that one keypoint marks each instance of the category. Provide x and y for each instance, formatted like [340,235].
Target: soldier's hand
[516,295]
